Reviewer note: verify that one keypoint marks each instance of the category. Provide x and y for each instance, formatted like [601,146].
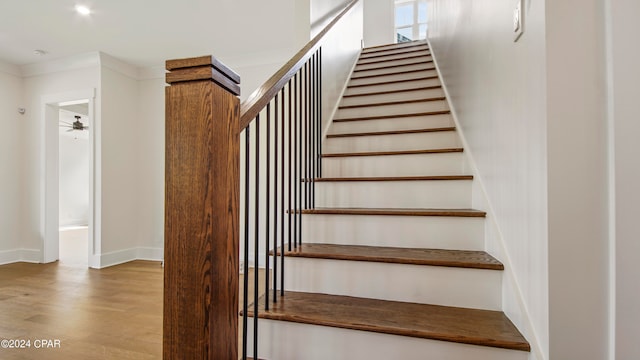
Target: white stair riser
[390,86]
[437,194]
[386,70]
[398,77]
[394,165]
[431,232]
[396,142]
[385,110]
[403,55]
[284,340]
[394,47]
[400,62]
[366,54]
[396,96]
[391,124]
[437,285]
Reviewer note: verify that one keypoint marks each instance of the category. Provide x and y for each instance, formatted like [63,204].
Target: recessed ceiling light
[83,10]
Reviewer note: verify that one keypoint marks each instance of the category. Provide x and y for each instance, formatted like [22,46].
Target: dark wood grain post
[201,210]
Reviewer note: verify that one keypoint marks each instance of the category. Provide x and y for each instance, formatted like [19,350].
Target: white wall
[379,22]
[150,168]
[11,163]
[623,63]
[73,173]
[577,180]
[43,80]
[340,50]
[120,131]
[497,88]
[323,11]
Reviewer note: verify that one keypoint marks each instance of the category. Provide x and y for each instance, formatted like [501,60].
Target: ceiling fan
[76,125]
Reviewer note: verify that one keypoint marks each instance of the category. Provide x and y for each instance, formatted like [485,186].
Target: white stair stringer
[414,194]
[285,340]
[393,142]
[430,232]
[436,285]
[394,165]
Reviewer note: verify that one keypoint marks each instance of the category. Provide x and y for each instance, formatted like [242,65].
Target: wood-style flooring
[112,313]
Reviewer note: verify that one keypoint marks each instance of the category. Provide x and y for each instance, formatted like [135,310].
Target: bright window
[410,20]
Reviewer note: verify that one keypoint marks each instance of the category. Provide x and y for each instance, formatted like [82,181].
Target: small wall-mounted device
[517,20]
[21,111]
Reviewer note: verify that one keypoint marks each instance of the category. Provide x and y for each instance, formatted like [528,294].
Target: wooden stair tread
[393,255]
[389,52]
[380,61]
[400,102]
[392,73]
[398,178]
[394,212]
[396,81]
[460,325]
[378,48]
[393,132]
[378,117]
[390,66]
[402,152]
[394,91]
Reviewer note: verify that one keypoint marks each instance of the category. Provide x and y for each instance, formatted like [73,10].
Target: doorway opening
[69,219]
[73,182]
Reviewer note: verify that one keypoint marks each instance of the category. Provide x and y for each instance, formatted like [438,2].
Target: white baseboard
[19,255]
[131,254]
[118,257]
[149,253]
[9,256]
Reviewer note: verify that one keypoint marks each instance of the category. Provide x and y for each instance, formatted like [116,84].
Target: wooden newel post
[201,210]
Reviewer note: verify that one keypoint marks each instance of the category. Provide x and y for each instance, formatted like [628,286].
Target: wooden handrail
[252,106]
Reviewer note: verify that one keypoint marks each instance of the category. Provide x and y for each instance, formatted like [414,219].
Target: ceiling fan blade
[69,130]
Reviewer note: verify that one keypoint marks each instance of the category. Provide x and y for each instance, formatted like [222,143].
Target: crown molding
[10,69]
[152,72]
[80,61]
[118,65]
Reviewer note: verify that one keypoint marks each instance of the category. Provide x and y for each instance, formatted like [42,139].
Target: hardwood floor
[112,313]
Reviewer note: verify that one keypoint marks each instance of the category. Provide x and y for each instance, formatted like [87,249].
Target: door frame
[49,204]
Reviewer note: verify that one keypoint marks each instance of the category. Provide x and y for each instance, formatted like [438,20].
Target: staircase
[392,265]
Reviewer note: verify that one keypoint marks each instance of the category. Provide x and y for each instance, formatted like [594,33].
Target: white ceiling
[143,33]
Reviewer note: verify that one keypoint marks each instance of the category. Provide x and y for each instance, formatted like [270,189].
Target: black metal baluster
[320,114]
[266,212]
[309,153]
[275,200]
[289,173]
[256,248]
[313,131]
[307,166]
[282,196]
[299,137]
[245,288]
[295,160]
